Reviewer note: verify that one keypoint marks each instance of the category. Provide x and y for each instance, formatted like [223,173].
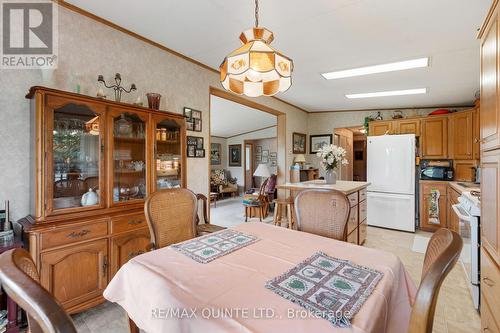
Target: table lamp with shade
[262,171]
[300,159]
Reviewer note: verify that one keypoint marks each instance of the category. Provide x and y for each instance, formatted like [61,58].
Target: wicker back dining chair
[171,216]
[322,212]
[206,227]
[441,255]
[19,278]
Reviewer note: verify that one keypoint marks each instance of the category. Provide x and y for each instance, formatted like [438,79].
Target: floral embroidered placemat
[210,247]
[330,288]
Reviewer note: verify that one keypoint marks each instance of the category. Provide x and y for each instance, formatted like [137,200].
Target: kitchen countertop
[459,188]
[346,187]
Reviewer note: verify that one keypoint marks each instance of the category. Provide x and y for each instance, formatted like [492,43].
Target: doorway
[249,166]
[353,140]
[244,135]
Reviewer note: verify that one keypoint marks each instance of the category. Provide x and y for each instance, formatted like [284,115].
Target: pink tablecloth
[165,291]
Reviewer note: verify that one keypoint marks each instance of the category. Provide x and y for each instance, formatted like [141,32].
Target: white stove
[468,211]
[471,202]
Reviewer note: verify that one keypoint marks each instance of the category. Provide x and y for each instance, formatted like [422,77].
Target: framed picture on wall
[193,119]
[316,142]
[192,140]
[265,159]
[299,143]
[265,153]
[195,114]
[215,154]
[191,151]
[197,125]
[258,150]
[234,155]
[273,155]
[195,146]
[199,143]
[188,113]
[258,158]
[200,153]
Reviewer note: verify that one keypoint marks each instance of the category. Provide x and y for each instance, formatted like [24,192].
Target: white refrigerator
[391,172]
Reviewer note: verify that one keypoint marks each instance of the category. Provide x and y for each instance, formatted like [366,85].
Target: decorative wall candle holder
[117,87]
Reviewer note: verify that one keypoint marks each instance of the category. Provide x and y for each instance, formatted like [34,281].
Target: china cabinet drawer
[353,199]
[352,222]
[488,323]
[490,283]
[362,195]
[362,210]
[353,237]
[362,232]
[127,223]
[75,234]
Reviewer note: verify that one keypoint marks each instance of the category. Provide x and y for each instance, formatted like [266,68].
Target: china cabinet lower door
[76,275]
[127,246]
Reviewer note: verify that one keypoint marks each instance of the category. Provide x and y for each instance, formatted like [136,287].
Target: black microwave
[436,173]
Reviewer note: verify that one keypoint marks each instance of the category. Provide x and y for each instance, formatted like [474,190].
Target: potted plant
[331,157]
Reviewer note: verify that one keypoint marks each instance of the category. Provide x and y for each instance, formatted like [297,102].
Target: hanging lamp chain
[256,13]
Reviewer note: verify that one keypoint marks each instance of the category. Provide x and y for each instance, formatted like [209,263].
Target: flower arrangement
[332,156]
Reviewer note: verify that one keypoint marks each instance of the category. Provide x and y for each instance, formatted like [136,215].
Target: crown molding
[397,109]
[240,134]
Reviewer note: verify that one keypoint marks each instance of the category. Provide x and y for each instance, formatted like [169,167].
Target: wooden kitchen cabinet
[426,188]
[476,132]
[461,136]
[408,126]
[490,204]
[452,218]
[127,246]
[465,170]
[76,275]
[489,120]
[376,128]
[434,137]
[490,113]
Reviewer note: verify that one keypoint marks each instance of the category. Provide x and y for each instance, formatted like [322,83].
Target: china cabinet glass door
[129,156]
[75,156]
[168,159]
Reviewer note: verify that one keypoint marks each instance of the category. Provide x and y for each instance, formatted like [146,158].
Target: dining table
[167,291]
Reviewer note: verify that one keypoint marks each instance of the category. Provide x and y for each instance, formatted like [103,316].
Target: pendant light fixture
[256,69]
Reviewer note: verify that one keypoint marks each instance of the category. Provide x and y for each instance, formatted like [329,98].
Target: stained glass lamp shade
[256,69]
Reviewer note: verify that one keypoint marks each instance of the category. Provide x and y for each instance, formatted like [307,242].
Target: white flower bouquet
[332,156]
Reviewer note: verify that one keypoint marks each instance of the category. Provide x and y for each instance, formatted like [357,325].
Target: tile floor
[454,313]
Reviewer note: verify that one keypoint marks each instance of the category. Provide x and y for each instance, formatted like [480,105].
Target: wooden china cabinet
[93,164]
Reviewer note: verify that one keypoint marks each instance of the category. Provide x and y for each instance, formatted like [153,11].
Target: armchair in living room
[221,183]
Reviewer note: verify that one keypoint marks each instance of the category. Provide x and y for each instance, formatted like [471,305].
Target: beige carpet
[230,212]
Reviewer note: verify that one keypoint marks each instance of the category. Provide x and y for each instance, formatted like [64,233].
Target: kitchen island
[356,194]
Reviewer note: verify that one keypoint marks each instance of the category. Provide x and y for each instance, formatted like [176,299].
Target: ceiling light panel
[391,67]
[388,93]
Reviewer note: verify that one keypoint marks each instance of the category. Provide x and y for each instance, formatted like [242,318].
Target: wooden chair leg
[246,214]
[260,213]
[275,215]
[289,215]
[280,213]
[132,326]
